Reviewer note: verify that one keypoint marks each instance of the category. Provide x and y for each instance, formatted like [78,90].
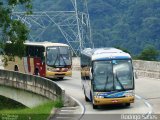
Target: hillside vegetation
[130,24]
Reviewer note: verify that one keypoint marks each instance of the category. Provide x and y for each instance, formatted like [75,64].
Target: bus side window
[30,52]
[42,54]
[27,53]
[85,65]
[82,67]
[88,75]
[39,51]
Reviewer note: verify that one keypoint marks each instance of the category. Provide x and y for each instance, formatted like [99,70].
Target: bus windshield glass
[114,75]
[58,56]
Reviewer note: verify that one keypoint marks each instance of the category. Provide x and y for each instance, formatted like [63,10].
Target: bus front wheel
[94,106]
[36,71]
[127,104]
[16,68]
[61,78]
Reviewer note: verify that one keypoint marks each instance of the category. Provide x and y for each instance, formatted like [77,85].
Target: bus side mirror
[44,53]
[92,70]
[72,53]
[90,73]
[135,75]
[43,63]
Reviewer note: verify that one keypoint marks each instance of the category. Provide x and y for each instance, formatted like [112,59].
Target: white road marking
[147,104]
[63,117]
[81,105]
[66,110]
[63,113]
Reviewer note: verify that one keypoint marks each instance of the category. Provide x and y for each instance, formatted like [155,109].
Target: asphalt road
[147,96]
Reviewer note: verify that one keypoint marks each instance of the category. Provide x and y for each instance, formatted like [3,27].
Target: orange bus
[51,60]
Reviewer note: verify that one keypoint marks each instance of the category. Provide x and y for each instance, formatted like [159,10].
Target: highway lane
[147,89]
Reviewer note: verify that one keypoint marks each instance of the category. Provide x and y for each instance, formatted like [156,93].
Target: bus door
[34,62]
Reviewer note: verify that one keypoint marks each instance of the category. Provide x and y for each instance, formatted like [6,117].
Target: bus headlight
[129,93]
[99,96]
[51,69]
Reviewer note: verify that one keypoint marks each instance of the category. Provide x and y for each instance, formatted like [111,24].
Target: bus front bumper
[107,101]
[58,74]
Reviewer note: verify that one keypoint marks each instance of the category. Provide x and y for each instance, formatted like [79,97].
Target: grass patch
[40,112]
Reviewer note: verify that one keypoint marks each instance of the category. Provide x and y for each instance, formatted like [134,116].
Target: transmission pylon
[70,26]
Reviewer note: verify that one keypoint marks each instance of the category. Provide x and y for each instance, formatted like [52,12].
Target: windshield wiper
[120,82]
[106,82]
[63,59]
[55,60]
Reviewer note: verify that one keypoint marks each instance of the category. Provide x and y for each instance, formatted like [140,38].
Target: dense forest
[129,24]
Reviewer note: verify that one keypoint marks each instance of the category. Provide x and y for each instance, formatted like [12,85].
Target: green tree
[123,49]
[13,30]
[149,53]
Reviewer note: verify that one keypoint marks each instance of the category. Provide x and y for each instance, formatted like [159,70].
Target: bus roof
[45,44]
[105,53]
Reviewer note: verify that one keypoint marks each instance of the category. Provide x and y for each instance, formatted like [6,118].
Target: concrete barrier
[35,84]
[75,63]
[150,69]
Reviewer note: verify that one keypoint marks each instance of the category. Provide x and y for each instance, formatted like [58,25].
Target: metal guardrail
[35,84]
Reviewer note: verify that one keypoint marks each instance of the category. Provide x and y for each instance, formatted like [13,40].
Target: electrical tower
[70,26]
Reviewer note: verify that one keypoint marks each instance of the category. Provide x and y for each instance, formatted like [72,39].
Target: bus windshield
[58,56]
[114,75]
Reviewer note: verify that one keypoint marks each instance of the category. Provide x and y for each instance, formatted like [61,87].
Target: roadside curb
[73,109]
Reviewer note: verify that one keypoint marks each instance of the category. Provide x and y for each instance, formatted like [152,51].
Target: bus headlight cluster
[98,96]
[51,69]
[129,93]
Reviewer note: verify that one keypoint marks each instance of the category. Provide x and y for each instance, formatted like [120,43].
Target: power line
[73,25]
